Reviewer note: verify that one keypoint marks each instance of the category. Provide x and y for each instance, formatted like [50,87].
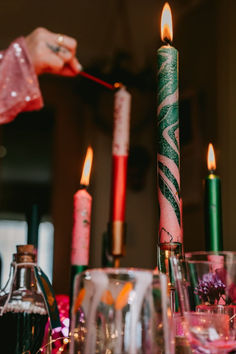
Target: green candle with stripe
[168,157]
[213,211]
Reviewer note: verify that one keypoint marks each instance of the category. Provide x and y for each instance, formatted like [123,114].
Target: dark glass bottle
[24,315]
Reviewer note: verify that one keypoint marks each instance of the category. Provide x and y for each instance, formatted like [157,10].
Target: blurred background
[41,153]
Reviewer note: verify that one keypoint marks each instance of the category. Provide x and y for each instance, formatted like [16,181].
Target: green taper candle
[213,212]
[168,157]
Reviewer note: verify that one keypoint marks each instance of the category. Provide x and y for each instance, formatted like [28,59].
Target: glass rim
[121,270]
[210,253]
[205,261]
[178,315]
[229,257]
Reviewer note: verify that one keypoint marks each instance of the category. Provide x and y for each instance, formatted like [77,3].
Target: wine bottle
[23,313]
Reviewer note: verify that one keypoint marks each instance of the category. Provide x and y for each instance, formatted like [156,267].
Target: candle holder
[121,310]
[107,258]
[117,232]
[164,253]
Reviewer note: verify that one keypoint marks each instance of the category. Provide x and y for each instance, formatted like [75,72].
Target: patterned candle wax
[168,146]
[168,157]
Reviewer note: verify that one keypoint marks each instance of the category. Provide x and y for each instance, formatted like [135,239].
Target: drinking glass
[120,311]
[205,283]
[202,327]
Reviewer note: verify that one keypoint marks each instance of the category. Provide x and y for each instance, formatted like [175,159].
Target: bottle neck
[25,278]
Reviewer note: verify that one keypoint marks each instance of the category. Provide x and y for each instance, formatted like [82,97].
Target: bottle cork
[25,253]
[25,249]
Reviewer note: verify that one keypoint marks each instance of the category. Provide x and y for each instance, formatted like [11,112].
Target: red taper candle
[120,148]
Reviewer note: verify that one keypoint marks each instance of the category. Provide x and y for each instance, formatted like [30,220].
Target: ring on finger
[54,48]
[60,39]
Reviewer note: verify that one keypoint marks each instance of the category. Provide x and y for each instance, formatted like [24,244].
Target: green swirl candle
[213,212]
[168,157]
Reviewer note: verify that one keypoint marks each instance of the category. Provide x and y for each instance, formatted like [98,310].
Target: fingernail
[80,68]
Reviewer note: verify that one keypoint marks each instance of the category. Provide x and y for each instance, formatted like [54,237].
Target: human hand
[52,53]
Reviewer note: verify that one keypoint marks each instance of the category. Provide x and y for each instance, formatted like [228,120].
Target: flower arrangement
[215,288]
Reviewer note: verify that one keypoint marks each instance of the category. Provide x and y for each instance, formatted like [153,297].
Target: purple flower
[210,288]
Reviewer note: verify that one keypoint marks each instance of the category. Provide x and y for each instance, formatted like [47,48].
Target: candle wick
[83,186]
[118,86]
[167,41]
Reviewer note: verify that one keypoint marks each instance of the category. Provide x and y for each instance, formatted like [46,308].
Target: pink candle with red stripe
[120,148]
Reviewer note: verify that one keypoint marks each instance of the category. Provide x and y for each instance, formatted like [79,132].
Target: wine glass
[120,311]
[201,283]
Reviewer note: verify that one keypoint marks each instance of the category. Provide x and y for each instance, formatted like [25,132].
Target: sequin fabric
[19,87]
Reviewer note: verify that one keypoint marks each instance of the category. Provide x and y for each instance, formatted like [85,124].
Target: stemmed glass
[206,287]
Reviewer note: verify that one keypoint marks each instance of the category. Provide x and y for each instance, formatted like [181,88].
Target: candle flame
[118,85]
[166,24]
[211,162]
[87,167]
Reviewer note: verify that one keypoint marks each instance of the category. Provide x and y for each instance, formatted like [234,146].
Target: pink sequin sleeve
[19,87]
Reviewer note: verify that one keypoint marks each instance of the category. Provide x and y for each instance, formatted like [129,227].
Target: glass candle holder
[120,311]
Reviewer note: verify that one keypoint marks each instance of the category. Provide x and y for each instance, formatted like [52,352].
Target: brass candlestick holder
[117,232]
